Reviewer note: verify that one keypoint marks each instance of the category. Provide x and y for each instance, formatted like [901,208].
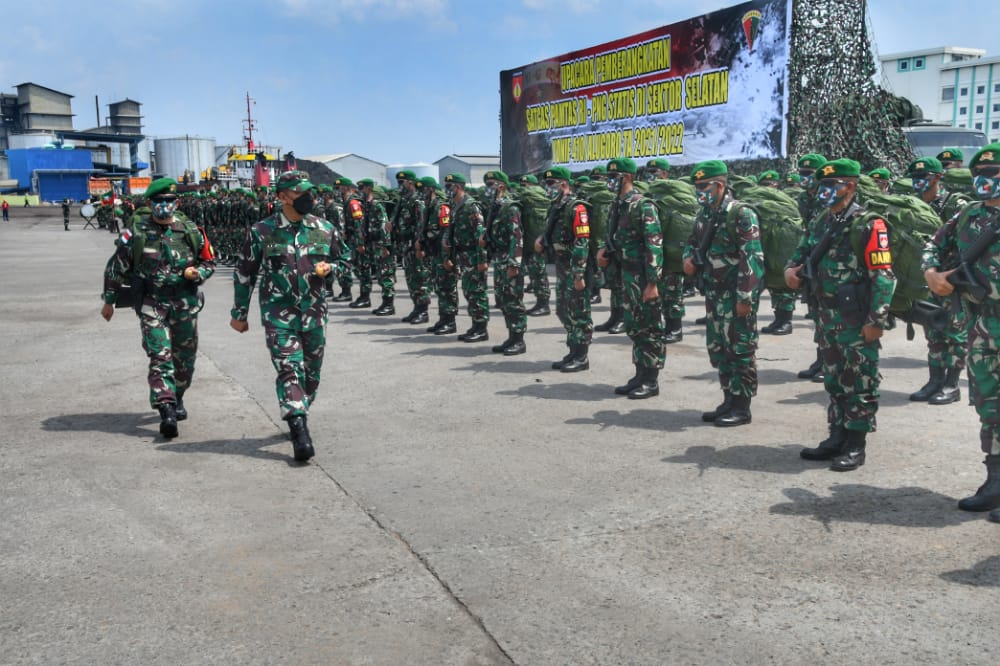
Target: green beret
[344,182]
[325,188]
[580,180]
[880,174]
[951,155]
[531,179]
[405,174]
[987,155]
[811,161]
[658,163]
[455,178]
[793,178]
[767,175]
[558,173]
[842,168]
[622,165]
[366,182]
[497,175]
[924,165]
[599,170]
[428,181]
[160,187]
[296,181]
[709,169]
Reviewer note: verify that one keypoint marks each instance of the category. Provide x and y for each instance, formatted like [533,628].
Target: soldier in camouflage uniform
[882,178]
[352,212]
[65,212]
[949,243]
[377,247]
[464,248]
[945,347]
[951,158]
[809,209]
[505,242]
[635,236]
[567,236]
[852,288]
[294,253]
[164,258]
[612,275]
[671,284]
[431,234]
[409,216]
[538,276]
[726,242]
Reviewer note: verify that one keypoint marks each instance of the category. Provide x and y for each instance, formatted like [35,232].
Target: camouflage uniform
[505,240]
[416,271]
[157,255]
[568,236]
[464,249]
[433,230]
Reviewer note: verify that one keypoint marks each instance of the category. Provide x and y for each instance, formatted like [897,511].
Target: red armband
[877,253]
[444,216]
[357,212]
[581,224]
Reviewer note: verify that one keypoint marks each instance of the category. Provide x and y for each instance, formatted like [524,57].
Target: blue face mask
[831,195]
[164,209]
[807,182]
[708,197]
[986,188]
[612,184]
[921,185]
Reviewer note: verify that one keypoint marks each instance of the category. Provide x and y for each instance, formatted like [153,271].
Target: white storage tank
[177,155]
[422,169]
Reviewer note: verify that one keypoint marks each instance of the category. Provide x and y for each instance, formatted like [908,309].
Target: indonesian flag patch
[877,253]
[581,224]
[126,236]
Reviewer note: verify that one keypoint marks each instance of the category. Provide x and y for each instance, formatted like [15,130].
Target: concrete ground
[463,508]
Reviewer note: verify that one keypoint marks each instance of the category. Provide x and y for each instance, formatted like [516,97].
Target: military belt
[172,291]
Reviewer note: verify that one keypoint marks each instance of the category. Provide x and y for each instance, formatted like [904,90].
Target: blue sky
[399,81]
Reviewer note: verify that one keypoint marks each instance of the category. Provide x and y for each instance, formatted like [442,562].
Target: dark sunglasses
[704,185]
[990,171]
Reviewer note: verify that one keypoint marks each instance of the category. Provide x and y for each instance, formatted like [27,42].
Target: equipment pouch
[852,302]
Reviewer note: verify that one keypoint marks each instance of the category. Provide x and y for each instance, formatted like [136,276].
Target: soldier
[951,158]
[165,260]
[809,209]
[672,285]
[634,234]
[567,236]
[465,254]
[945,347]
[882,178]
[352,213]
[976,225]
[725,250]
[378,247]
[769,178]
[65,212]
[431,234]
[612,273]
[106,211]
[294,252]
[852,283]
[409,216]
[505,242]
[538,276]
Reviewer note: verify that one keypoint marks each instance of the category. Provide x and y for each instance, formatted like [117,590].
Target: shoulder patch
[444,216]
[877,253]
[126,236]
[581,223]
[357,212]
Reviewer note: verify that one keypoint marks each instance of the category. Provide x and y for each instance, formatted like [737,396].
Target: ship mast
[249,125]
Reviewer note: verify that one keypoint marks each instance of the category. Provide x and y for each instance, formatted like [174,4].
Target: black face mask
[304,204]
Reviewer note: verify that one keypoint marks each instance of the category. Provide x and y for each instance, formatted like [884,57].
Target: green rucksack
[534,212]
[738,184]
[902,186]
[677,207]
[911,224]
[597,197]
[781,230]
[959,180]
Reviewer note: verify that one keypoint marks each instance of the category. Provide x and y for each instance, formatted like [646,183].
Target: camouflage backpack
[781,230]
[959,180]
[534,212]
[677,207]
[597,198]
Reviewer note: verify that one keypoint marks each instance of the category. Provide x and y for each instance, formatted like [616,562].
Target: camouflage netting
[835,106]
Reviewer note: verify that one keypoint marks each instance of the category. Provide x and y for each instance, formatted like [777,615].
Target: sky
[397,81]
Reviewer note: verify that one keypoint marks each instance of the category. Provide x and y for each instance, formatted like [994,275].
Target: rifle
[810,283]
[701,250]
[963,279]
[550,228]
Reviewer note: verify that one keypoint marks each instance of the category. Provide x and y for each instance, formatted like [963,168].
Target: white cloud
[335,11]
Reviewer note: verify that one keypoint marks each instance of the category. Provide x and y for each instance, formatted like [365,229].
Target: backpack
[677,207]
[596,196]
[959,180]
[781,230]
[534,213]
[911,224]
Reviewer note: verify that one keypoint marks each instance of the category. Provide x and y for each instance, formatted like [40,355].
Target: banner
[711,87]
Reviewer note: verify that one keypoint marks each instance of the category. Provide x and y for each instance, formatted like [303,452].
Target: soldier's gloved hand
[792,278]
[239,326]
[938,282]
[579,284]
[871,333]
[743,309]
[689,267]
[602,258]
[108,311]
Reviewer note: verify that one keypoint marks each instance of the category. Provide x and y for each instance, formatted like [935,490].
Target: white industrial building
[355,167]
[473,167]
[420,170]
[952,85]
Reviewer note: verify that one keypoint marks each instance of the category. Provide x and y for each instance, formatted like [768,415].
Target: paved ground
[462,508]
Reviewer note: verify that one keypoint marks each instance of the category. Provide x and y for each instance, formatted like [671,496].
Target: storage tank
[422,169]
[175,155]
[16,141]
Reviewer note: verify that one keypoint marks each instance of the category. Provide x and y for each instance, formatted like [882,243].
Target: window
[979,108]
[948,93]
[918,63]
[980,90]
[995,124]
[996,87]
[963,92]
[903,65]
[996,108]
[962,110]
[979,126]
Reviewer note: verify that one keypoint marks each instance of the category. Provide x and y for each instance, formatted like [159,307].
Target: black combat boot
[721,410]
[932,387]
[701,321]
[595,298]
[630,384]
[168,419]
[995,516]
[516,345]
[477,333]
[782,324]
[579,361]
[302,444]
[541,307]
[988,495]
[413,313]
[675,331]
[649,387]
[853,454]
[830,447]
[617,315]
[179,409]
[738,415]
[814,369]
[362,301]
[502,347]
[386,309]
[420,315]
[447,326]
[344,296]
[949,392]
[558,365]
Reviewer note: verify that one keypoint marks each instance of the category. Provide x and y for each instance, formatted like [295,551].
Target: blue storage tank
[58,174]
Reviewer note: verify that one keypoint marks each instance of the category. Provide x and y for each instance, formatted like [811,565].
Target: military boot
[413,313]
[932,387]
[302,444]
[675,331]
[995,516]
[814,369]
[830,447]
[516,345]
[343,297]
[179,409]
[649,387]
[420,315]
[541,307]
[447,326]
[739,413]
[386,309]
[782,324]
[477,333]
[721,410]
[362,301]
[853,454]
[168,419]
[630,384]
[949,390]
[579,361]
[558,365]
[988,495]
[616,316]
[502,347]
[595,298]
